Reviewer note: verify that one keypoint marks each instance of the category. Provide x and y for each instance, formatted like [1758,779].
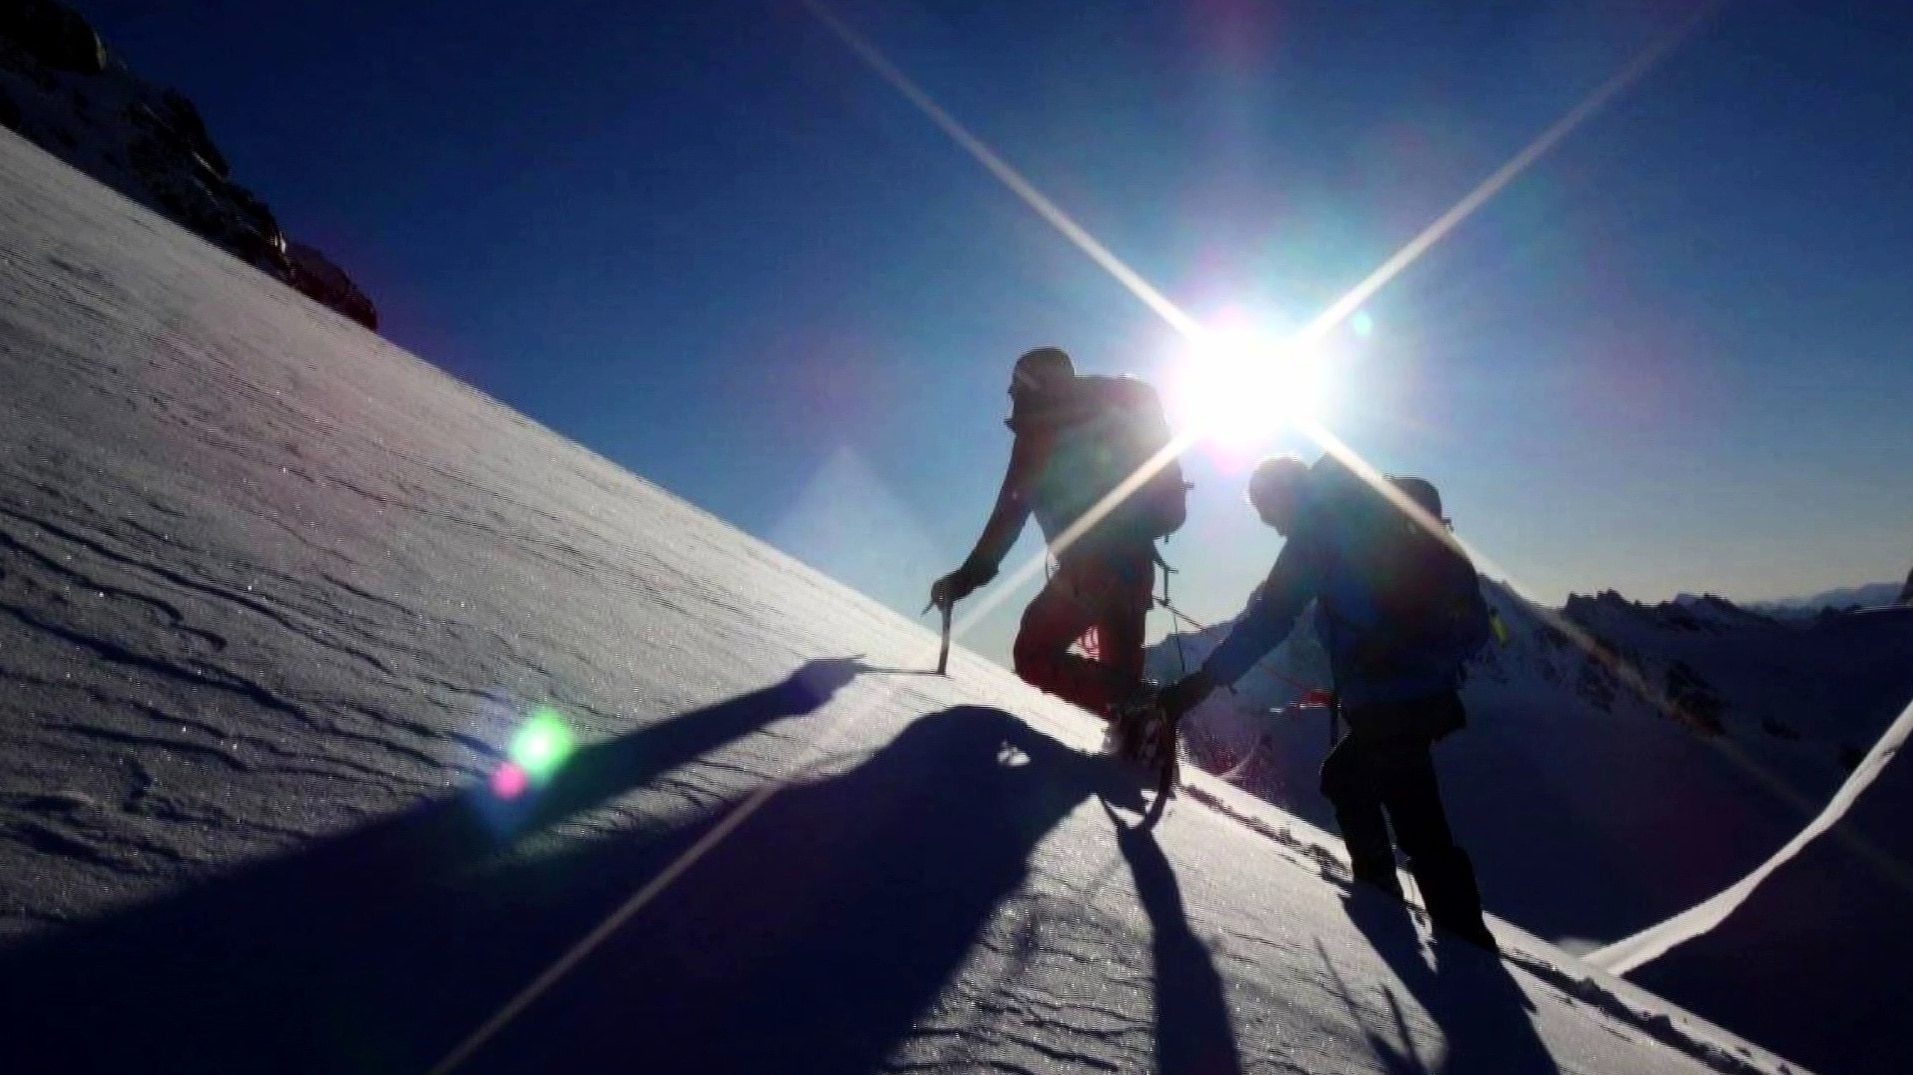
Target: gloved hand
[960,583]
[1180,697]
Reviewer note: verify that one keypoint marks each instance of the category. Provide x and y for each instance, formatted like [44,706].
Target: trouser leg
[1442,870]
[1051,624]
[1127,590]
[1348,783]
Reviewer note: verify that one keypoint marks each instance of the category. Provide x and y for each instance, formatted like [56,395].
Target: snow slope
[274,599]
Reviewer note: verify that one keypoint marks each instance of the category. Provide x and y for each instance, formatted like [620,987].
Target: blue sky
[707,242]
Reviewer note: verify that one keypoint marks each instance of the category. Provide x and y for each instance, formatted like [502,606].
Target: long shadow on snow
[1482,1013]
[373,950]
[810,939]
[817,934]
[1194,1035]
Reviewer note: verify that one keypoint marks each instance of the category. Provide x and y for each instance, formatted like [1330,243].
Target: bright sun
[1238,386]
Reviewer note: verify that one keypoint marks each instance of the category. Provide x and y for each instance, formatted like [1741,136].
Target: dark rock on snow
[60,90]
[315,275]
[53,35]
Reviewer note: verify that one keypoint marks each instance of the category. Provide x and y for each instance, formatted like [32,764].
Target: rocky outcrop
[1906,592]
[1693,701]
[181,120]
[53,35]
[60,89]
[172,158]
[1703,614]
[314,274]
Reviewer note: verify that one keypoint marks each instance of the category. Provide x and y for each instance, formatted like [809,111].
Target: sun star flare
[1237,387]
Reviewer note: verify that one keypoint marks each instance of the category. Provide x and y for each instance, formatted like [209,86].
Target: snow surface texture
[274,599]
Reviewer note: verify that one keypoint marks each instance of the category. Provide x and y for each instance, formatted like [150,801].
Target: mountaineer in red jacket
[1077,439]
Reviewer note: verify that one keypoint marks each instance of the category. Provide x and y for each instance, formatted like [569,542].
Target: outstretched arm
[999,533]
[1271,615]
[1011,512]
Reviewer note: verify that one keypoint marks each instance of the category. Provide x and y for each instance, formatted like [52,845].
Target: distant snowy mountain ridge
[1687,660]
[63,90]
[1871,595]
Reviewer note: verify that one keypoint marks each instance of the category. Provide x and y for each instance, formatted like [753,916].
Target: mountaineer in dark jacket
[1399,613]
[1077,439]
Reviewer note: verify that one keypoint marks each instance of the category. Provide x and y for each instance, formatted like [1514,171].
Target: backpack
[1111,427]
[1421,597]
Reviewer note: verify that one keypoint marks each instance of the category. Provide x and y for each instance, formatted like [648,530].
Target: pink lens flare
[509,781]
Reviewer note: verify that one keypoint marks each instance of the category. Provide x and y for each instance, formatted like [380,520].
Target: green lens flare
[542,745]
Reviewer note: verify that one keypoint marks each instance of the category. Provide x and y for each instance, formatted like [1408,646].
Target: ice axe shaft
[943,651]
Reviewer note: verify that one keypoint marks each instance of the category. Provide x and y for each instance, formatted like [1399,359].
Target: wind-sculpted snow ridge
[1626,955]
[1826,921]
[295,632]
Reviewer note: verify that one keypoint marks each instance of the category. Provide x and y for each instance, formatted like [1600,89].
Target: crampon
[1141,734]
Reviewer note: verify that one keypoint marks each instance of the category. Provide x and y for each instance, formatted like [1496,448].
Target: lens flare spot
[542,745]
[1363,324]
[509,781]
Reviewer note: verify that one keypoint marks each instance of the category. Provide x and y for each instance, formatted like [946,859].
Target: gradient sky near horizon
[707,242]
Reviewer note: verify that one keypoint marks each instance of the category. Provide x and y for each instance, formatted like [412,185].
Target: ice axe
[943,651]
